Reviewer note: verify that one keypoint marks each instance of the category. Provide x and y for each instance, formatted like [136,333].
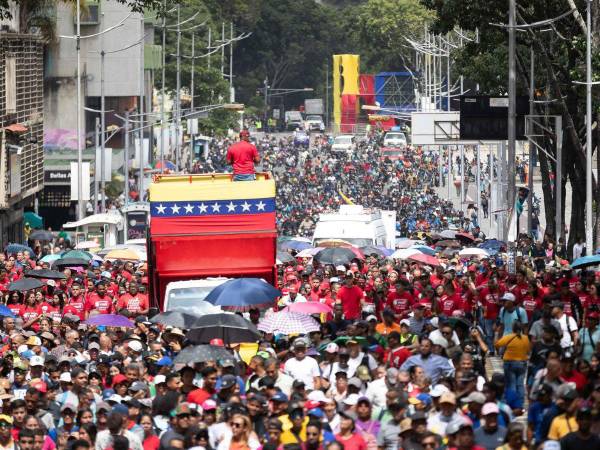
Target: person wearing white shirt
[357,357]
[567,325]
[302,367]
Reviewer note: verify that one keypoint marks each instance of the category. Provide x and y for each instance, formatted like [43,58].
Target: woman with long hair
[241,429]
[87,432]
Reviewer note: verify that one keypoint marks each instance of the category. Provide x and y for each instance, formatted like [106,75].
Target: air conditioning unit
[89,13]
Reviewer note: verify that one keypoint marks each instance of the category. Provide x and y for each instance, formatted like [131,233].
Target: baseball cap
[94,346]
[391,375]
[119,378]
[33,341]
[371,317]
[457,424]
[490,408]
[332,347]
[5,418]
[138,386]
[36,361]
[134,345]
[567,391]
[405,425]
[228,381]
[164,361]
[209,405]
[355,381]
[340,268]
[39,385]
[351,400]
[362,372]
[448,397]
[280,397]
[65,377]
[158,379]
[508,297]
[476,397]
[317,396]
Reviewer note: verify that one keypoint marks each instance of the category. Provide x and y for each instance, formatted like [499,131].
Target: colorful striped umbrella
[287,322]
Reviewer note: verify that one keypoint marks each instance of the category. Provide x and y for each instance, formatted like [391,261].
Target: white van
[354,224]
[394,139]
[188,296]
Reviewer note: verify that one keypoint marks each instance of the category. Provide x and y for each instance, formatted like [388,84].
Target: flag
[205,204]
[347,200]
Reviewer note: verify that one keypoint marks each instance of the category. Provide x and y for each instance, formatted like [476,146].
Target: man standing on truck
[242,155]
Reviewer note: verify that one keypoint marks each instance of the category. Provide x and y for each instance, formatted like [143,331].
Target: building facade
[21,129]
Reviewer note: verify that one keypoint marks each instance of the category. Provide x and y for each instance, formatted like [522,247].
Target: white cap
[438,340]
[332,347]
[508,296]
[341,268]
[65,377]
[371,317]
[434,322]
[36,361]
[159,379]
[22,349]
[136,346]
[51,283]
[317,396]
[351,400]
[115,398]
[438,390]
[551,445]
[405,322]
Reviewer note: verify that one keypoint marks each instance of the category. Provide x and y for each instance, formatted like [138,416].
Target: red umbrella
[424,259]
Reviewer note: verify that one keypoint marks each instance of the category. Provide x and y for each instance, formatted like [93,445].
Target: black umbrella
[25,284]
[177,319]
[41,235]
[46,274]
[202,353]
[70,262]
[231,328]
[285,258]
[335,256]
[372,250]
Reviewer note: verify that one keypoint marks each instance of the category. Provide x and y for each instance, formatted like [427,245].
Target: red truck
[209,226]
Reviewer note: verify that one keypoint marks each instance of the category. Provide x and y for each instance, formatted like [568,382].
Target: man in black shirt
[582,438]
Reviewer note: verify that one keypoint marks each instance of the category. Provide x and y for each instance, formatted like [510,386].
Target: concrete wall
[121,69]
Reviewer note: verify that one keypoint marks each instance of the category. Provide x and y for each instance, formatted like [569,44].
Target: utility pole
[177,93]
[209,46]
[266,83]
[141,122]
[80,210]
[97,172]
[162,91]
[126,165]
[512,108]
[531,146]
[448,76]
[589,236]
[231,93]
[102,121]
[192,72]
[327,94]
[222,48]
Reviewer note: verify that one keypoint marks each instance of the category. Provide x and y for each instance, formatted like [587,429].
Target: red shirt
[350,298]
[78,303]
[101,304]
[530,304]
[449,304]
[355,442]
[490,301]
[16,308]
[30,312]
[397,357]
[400,303]
[242,155]
[198,396]
[133,304]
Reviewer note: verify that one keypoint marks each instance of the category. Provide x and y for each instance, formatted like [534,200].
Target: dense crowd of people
[402,360]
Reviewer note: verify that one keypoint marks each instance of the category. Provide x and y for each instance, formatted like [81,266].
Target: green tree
[382,27]
[560,60]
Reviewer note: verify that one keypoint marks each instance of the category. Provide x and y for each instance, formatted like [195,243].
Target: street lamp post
[589,243]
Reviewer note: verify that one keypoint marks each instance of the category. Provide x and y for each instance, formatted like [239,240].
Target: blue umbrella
[4,311]
[494,244]
[424,249]
[586,261]
[243,294]
[15,248]
[295,245]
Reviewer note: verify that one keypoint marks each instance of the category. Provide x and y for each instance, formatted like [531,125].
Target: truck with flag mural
[206,226]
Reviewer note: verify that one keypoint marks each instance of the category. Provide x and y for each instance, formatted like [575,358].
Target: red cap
[118,379]
[218,342]
[311,404]
[40,386]
[593,315]
[299,268]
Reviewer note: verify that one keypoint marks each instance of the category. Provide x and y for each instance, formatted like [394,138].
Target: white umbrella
[405,243]
[86,245]
[474,251]
[404,253]
[309,252]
